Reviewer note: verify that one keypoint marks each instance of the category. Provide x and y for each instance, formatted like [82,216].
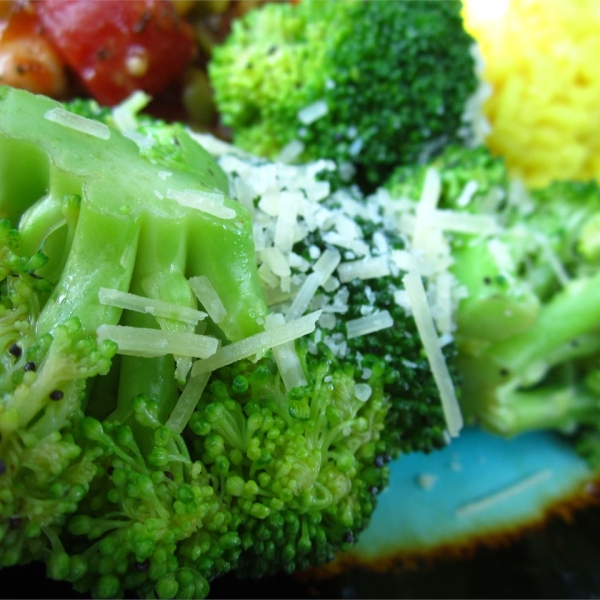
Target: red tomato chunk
[120,46]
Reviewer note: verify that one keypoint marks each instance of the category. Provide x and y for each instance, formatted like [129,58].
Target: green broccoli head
[527,334]
[85,228]
[192,384]
[372,85]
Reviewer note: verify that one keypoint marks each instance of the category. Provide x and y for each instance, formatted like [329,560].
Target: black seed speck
[503,372]
[15,350]
[2,467]
[348,538]
[487,280]
[57,395]
[169,475]
[379,462]
[374,490]
[30,366]
[110,471]
[142,567]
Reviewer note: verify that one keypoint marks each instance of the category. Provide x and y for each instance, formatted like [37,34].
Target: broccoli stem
[103,255]
[562,408]
[233,276]
[571,313]
[497,306]
[160,274]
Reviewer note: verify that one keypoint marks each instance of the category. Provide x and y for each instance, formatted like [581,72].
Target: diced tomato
[119,46]
[27,59]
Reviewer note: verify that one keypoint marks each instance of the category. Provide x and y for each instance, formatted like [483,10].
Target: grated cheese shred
[149,343]
[208,297]
[426,328]
[204,201]
[369,324]
[157,308]
[508,492]
[190,396]
[257,343]
[78,123]
[286,357]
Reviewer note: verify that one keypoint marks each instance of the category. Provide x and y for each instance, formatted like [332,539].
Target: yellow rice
[542,59]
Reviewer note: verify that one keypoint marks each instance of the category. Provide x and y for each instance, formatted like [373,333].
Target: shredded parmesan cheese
[313,112]
[512,490]
[158,308]
[286,357]
[187,402]
[208,297]
[323,269]
[430,195]
[205,201]
[368,268]
[78,123]
[257,343]
[149,343]
[439,369]
[369,324]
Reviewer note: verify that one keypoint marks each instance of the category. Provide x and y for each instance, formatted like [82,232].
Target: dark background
[561,560]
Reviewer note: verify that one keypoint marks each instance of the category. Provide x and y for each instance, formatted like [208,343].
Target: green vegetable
[129,460]
[527,335]
[392,78]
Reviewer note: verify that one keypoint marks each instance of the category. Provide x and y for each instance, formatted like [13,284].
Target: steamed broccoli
[372,85]
[527,329]
[191,384]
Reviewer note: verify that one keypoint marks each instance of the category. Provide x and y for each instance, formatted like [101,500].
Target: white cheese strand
[257,343]
[150,306]
[439,369]
[149,343]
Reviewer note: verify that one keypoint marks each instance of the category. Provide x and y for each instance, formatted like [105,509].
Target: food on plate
[371,85]
[211,352]
[111,48]
[174,406]
[106,50]
[527,325]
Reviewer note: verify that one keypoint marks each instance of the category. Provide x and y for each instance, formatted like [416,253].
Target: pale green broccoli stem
[24,169]
[152,378]
[516,411]
[501,385]
[103,254]
[498,305]
[160,274]
[233,276]
[573,312]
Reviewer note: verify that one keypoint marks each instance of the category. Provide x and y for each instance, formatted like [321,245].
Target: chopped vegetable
[372,85]
[119,47]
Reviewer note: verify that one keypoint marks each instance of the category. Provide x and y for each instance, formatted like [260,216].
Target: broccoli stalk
[511,387]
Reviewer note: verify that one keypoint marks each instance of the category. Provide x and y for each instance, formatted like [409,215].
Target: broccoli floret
[96,214]
[372,85]
[175,402]
[527,329]
[392,358]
